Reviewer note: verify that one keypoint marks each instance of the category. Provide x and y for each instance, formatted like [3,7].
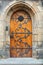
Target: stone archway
[9,11]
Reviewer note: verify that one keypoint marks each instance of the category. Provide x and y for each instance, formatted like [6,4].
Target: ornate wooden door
[20,34]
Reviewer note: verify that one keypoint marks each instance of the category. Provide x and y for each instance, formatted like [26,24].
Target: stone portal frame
[6,18]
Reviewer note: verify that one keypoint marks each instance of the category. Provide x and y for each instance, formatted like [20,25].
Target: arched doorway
[6,16]
[20,34]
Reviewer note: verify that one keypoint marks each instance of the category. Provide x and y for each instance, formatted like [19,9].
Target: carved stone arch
[7,15]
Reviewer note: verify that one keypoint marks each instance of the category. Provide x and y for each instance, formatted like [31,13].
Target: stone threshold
[21,61]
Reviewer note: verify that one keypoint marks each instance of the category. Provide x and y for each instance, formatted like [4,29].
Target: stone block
[35,24]
[35,38]
[2,38]
[35,31]
[34,45]
[40,37]
[40,44]
[1,44]
[40,53]
[35,55]
[40,30]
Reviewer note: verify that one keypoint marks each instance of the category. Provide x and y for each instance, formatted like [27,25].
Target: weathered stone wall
[37,27]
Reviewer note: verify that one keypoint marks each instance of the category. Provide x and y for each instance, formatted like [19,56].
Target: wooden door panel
[20,35]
